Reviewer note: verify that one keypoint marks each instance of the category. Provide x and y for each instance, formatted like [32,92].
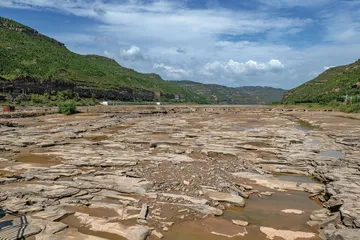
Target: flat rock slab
[48,227]
[120,184]
[292,211]
[272,182]
[343,234]
[225,197]
[187,198]
[272,233]
[53,214]
[97,224]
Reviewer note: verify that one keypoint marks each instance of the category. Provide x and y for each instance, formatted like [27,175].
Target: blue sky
[279,43]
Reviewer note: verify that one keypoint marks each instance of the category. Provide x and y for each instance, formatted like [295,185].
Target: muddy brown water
[259,211]
[295,178]
[97,138]
[305,126]
[38,159]
[73,222]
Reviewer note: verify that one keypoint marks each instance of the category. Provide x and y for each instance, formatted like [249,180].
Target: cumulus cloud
[198,36]
[132,54]
[235,68]
[171,71]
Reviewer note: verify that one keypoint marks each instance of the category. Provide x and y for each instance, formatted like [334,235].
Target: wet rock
[240,223]
[47,226]
[241,193]
[267,193]
[293,211]
[335,219]
[312,223]
[157,234]
[53,214]
[225,197]
[342,234]
[270,181]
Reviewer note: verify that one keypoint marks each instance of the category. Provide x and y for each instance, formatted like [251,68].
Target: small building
[105,103]
[177,97]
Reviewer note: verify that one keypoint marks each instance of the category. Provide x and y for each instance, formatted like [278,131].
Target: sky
[278,43]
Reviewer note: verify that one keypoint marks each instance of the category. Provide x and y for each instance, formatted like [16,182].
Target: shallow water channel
[260,211]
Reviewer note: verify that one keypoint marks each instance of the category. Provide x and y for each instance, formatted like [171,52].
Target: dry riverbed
[181,172]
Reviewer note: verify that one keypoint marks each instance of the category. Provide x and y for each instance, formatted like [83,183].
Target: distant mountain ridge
[331,85]
[32,63]
[215,93]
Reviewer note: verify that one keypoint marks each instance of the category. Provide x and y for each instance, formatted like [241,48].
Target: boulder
[342,234]
[225,197]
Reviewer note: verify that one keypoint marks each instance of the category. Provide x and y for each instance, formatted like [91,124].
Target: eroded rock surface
[88,174]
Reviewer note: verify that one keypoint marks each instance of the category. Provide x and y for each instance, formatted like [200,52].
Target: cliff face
[27,85]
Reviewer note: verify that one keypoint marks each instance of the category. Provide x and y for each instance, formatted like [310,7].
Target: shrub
[68,107]
[352,108]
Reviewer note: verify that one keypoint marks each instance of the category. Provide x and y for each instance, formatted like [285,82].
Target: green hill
[34,63]
[240,95]
[332,85]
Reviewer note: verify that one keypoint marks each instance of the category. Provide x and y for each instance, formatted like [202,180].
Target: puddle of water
[242,128]
[38,159]
[315,142]
[74,222]
[201,230]
[266,211]
[332,153]
[295,178]
[259,211]
[305,126]
[97,138]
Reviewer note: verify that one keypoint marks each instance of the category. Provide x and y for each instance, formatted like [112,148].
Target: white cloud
[186,42]
[172,71]
[132,54]
[328,67]
[249,68]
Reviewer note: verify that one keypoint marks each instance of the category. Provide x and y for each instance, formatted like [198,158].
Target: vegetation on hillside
[337,84]
[26,53]
[241,95]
